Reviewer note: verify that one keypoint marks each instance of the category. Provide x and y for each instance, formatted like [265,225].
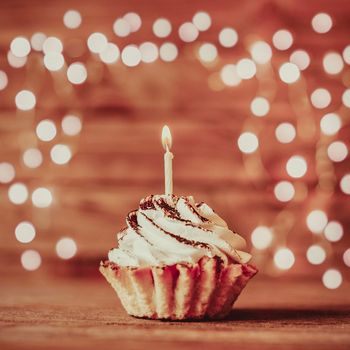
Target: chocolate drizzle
[147,203]
[174,214]
[172,223]
[194,211]
[179,238]
[168,209]
[131,220]
[152,203]
[157,202]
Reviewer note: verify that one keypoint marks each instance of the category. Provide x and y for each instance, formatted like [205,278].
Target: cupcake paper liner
[207,289]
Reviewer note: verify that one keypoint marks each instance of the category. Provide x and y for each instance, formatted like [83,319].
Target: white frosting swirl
[167,230]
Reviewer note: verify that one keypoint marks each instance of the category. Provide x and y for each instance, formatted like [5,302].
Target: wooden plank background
[118,156]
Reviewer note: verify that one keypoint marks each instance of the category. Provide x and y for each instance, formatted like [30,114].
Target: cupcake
[177,260]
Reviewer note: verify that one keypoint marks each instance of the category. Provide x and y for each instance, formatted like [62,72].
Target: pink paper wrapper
[207,289]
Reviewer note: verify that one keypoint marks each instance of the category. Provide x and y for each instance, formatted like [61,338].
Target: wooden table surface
[83,313]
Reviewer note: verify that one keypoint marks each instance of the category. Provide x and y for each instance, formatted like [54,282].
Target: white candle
[168,160]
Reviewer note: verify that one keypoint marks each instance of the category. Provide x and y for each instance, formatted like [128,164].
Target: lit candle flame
[166,138]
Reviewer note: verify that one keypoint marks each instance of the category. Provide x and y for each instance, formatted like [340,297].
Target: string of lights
[257,64]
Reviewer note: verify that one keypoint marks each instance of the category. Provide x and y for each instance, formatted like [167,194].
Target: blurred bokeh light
[258,106]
